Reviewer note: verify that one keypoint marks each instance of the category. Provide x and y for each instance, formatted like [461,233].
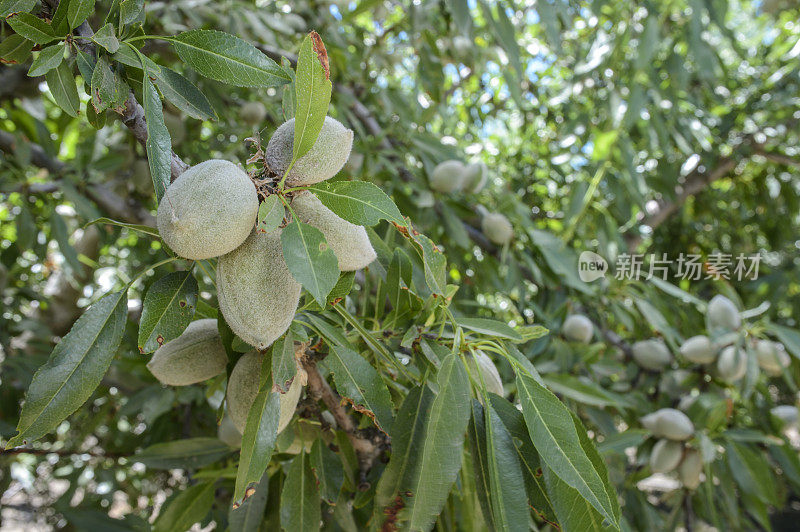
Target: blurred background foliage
[612,126]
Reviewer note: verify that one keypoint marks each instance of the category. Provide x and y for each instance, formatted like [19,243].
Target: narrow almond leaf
[328,470]
[507,487]
[284,367]
[300,498]
[409,431]
[258,440]
[434,263]
[15,6]
[74,370]
[58,228]
[31,27]
[78,11]
[528,458]
[248,516]
[159,144]
[15,49]
[439,460]
[144,229]
[184,95]
[358,383]
[227,58]
[310,260]
[358,202]
[107,38]
[62,86]
[191,453]
[49,58]
[168,308]
[108,89]
[187,508]
[476,438]
[129,10]
[270,214]
[489,327]
[312,93]
[553,434]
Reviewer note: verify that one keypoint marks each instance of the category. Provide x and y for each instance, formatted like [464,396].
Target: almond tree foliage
[441,387]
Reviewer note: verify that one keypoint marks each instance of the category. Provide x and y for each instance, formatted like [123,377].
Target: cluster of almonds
[454,176]
[210,211]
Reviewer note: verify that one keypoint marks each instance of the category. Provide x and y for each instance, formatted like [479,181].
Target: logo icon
[591,266]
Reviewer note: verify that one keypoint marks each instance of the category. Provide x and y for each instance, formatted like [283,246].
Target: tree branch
[367,448]
[133,114]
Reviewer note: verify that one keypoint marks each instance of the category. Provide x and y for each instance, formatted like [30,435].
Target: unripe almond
[772,357]
[787,414]
[208,211]
[666,456]
[194,356]
[578,328]
[690,468]
[252,113]
[497,228]
[698,349]
[228,433]
[669,423]
[349,242]
[243,388]
[475,177]
[323,160]
[732,364]
[651,354]
[722,314]
[448,177]
[480,362]
[257,294]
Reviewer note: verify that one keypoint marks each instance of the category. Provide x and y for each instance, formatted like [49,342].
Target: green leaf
[476,438]
[752,472]
[15,6]
[284,367]
[489,327]
[224,57]
[187,508]
[26,228]
[15,49]
[270,214]
[358,202]
[144,229]
[192,453]
[167,309]
[461,15]
[358,383]
[107,38]
[584,392]
[312,93]
[310,260]
[249,515]
[75,368]
[258,440]
[159,145]
[31,27]
[328,470]
[58,229]
[85,64]
[129,10]
[506,483]
[514,423]
[184,95]
[78,11]
[288,101]
[409,431]
[62,86]
[553,433]
[434,262]
[789,337]
[439,460]
[300,498]
[108,89]
[48,59]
